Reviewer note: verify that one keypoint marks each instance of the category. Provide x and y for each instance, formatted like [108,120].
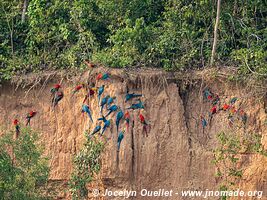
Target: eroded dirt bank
[175,155]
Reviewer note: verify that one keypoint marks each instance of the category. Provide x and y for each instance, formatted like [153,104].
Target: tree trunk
[215,32]
[24,10]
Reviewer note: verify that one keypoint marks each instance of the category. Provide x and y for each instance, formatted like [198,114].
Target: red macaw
[225,107]
[77,88]
[99,76]
[30,115]
[58,96]
[232,110]
[127,119]
[55,88]
[91,92]
[144,122]
[17,127]
[213,110]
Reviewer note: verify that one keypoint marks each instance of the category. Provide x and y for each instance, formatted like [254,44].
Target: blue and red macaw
[144,123]
[29,116]
[130,96]
[96,130]
[139,105]
[119,116]
[86,109]
[127,119]
[111,109]
[120,138]
[57,98]
[103,103]
[17,127]
[55,88]
[100,92]
[110,101]
[106,124]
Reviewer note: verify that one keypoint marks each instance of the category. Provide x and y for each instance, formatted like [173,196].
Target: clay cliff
[175,155]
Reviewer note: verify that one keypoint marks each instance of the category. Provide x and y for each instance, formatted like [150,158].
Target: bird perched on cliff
[105,76]
[111,109]
[103,103]
[144,123]
[86,109]
[89,64]
[127,119]
[130,96]
[119,116]
[120,138]
[90,93]
[57,98]
[139,105]
[99,76]
[203,121]
[96,130]
[215,100]
[225,107]
[244,116]
[207,94]
[233,100]
[110,101]
[106,124]
[55,88]
[29,116]
[100,92]
[213,110]
[78,88]
[17,127]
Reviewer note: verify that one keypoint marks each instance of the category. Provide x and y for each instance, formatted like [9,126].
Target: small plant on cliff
[23,169]
[228,157]
[86,165]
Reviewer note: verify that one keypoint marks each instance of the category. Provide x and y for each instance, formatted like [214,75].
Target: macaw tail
[103,131]
[28,122]
[117,125]
[90,116]
[119,145]
[137,95]
[98,99]
[101,110]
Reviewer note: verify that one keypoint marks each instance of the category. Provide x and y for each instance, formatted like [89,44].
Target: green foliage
[23,169]
[172,34]
[86,165]
[228,154]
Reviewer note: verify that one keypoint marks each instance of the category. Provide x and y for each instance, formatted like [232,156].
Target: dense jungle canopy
[171,34]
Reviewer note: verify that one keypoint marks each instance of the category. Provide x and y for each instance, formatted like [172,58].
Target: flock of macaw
[105,102]
[217,106]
